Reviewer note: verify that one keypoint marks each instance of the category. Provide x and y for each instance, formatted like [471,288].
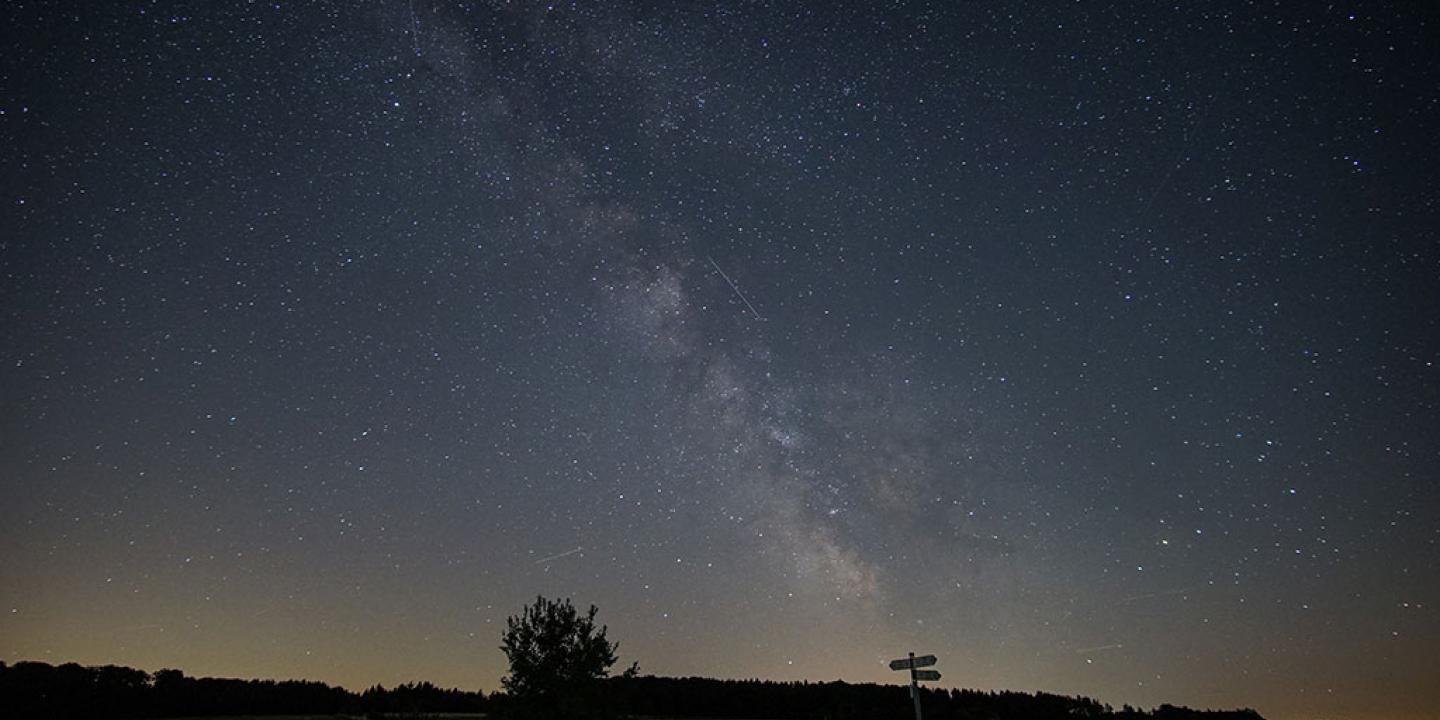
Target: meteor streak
[733,287]
[544,560]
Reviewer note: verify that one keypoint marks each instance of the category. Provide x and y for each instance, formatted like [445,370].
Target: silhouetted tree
[557,658]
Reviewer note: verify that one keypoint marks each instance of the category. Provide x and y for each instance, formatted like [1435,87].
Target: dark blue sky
[1089,347]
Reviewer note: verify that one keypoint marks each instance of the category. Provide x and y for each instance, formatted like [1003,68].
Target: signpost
[911,663]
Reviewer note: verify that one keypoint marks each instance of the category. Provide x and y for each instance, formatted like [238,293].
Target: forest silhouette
[74,692]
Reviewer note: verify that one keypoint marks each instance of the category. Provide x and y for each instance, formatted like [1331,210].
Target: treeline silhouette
[71,691]
[741,699]
[74,692]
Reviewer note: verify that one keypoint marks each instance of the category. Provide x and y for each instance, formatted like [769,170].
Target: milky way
[1090,348]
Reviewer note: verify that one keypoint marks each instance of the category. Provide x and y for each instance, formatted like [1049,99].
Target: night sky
[1092,348]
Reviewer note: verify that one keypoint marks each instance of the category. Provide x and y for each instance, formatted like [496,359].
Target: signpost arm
[914,687]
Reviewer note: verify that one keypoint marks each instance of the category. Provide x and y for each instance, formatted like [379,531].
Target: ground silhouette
[73,692]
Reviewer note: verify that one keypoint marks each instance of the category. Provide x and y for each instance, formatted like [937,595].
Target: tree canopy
[556,654]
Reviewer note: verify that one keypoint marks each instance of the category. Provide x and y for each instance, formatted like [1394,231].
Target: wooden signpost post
[913,664]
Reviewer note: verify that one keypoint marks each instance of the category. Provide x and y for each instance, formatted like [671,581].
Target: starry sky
[1090,347]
